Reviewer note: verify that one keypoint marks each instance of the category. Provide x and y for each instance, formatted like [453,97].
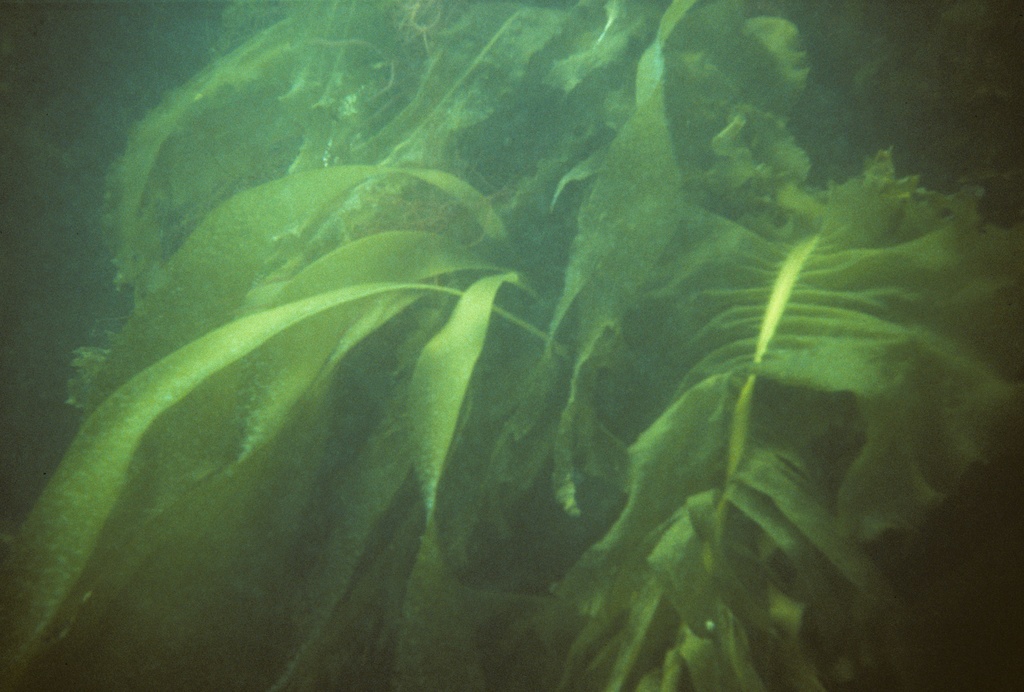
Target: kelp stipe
[739,428]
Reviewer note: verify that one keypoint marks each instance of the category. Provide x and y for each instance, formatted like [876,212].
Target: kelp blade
[441,379]
[289,365]
[58,537]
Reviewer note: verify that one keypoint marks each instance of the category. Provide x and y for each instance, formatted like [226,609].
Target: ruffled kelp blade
[847,352]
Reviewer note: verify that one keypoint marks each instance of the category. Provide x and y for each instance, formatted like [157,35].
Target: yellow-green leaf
[60,533]
[441,379]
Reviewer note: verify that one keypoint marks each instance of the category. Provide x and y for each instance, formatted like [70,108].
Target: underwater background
[426,344]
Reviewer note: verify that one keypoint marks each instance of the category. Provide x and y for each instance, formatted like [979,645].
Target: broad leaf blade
[58,537]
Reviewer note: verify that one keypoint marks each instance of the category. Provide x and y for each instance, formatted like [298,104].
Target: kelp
[62,529]
[328,447]
[625,225]
[136,237]
[782,549]
[458,88]
[311,318]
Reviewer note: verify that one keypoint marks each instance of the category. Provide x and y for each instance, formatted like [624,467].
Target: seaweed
[328,445]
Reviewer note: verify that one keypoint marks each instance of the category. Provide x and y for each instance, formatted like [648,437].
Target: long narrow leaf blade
[441,379]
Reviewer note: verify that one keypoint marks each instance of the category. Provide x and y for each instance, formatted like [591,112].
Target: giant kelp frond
[800,405]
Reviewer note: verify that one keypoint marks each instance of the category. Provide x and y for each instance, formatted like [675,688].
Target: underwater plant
[331,449]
